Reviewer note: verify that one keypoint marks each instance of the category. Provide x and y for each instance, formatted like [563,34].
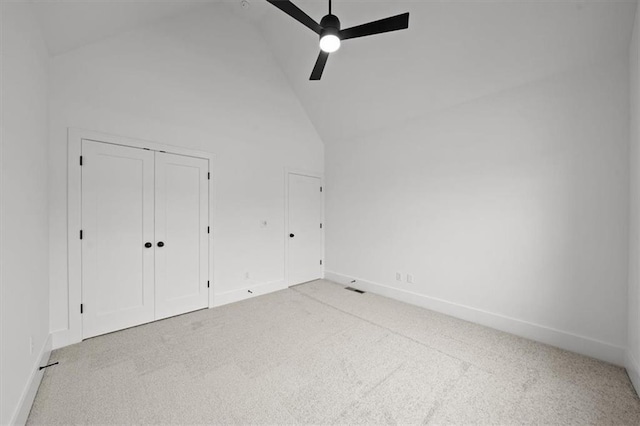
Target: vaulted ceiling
[453,51]
[68,25]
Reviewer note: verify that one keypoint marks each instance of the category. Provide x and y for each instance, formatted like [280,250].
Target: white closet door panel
[305,216]
[117,221]
[181,228]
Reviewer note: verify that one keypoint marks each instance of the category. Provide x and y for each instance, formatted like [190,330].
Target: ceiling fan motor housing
[330,26]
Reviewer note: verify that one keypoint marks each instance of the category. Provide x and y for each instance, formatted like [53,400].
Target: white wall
[633,351]
[206,81]
[510,210]
[24,275]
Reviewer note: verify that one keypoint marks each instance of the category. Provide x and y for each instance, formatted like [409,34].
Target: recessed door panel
[305,234]
[181,234]
[117,222]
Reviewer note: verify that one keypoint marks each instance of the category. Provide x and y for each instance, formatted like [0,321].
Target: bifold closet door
[181,230]
[117,223]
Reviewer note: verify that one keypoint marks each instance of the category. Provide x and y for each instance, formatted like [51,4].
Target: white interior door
[305,232]
[117,222]
[182,206]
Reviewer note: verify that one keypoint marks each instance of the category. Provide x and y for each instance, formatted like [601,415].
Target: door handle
[160,244]
[291,235]
[148,245]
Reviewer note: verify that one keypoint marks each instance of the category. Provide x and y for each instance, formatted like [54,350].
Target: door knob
[148,245]
[160,244]
[291,235]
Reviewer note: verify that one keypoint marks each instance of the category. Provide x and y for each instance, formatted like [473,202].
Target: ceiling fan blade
[394,23]
[292,10]
[320,63]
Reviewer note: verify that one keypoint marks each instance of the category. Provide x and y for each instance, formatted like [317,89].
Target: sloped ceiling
[67,25]
[453,51]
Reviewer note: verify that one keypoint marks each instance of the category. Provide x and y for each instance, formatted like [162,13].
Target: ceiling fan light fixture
[331,34]
[329,43]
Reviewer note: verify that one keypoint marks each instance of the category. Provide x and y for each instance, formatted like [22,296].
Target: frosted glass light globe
[329,43]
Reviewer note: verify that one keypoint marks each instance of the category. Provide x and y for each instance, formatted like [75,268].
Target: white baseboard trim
[62,338]
[633,370]
[29,393]
[254,290]
[565,340]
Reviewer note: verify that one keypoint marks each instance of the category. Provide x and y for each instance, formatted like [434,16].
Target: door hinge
[82,308]
[81,160]
[209,175]
[321,261]
[320,189]
[208,284]
[81,234]
[320,226]
[208,229]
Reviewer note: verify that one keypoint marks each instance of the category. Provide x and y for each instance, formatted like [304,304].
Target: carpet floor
[320,354]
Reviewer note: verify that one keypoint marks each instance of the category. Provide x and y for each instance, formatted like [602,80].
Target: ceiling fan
[330,33]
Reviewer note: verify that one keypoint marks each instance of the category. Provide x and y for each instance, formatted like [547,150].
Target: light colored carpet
[318,353]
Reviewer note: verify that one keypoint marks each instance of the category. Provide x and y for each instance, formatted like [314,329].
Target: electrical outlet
[398,276]
[410,278]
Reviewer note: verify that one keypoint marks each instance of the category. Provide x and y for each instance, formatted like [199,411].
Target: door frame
[288,172]
[73,333]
